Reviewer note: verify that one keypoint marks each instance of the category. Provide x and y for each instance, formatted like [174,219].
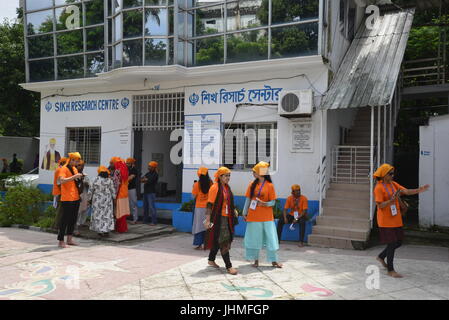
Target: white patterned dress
[102,193]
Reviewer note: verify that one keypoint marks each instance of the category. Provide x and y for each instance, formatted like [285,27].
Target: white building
[120,79]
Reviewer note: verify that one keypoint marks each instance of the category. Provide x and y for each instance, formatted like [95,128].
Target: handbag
[235,217]
[403,205]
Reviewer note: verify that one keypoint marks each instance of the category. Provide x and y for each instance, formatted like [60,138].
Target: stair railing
[349,164]
[321,172]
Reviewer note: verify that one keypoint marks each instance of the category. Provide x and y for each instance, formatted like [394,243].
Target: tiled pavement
[32,267]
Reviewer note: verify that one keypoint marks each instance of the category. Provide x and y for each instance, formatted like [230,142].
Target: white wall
[434,170]
[114,124]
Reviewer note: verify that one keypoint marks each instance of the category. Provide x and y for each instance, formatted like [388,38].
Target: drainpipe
[321,162]
[371,168]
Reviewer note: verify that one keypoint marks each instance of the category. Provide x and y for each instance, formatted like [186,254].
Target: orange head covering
[114,160]
[73,156]
[261,168]
[382,171]
[221,171]
[82,162]
[153,164]
[103,169]
[62,160]
[296,187]
[131,160]
[202,171]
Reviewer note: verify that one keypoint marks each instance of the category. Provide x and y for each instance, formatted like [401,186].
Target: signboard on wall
[302,135]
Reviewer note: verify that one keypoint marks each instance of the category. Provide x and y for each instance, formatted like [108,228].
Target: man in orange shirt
[297,206]
[389,217]
[70,198]
[200,192]
[56,192]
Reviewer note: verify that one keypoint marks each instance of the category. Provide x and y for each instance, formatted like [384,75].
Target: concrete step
[359,204]
[347,233]
[348,194]
[346,212]
[349,187]
[347,180]
[343,222]
[323,241]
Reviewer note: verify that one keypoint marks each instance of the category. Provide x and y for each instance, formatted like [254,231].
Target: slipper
[213,264]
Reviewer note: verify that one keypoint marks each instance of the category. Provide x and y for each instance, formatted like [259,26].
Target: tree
[19,108]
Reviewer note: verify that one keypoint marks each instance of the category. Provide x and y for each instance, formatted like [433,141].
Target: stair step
[318,240]
[347,194]
[349,187]
[355,181]
[345,204]
[347,233]
[336,221]
[346,212]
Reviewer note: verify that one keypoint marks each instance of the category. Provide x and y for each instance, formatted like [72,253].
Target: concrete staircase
[345,220]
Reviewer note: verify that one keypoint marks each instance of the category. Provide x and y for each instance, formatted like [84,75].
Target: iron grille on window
[86,141]
[246,144]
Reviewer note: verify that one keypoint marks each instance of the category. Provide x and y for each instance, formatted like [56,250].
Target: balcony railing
[424,72]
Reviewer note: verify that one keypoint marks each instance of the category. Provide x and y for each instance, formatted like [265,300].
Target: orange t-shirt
[201,198]
[69,191]
[213,191]
[56,188]
[261,214]
[384,217]
[295,205]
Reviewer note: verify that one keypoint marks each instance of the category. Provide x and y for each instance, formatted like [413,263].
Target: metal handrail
[355,160]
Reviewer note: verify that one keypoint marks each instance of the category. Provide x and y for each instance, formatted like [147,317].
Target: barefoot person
[258,212]
[219,220]
[200,193]
[70,198]
[84,206]
[150,180]
[57,193]
[296,206]
[121,207]
[101,196]
[389,217]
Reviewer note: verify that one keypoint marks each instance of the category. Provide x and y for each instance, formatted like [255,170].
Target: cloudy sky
[8,9]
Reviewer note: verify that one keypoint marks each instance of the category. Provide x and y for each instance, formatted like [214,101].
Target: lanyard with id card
[225,193]
[253,204]
[295,213]
[394,210]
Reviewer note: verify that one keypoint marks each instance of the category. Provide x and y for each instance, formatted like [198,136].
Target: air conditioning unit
[296,104]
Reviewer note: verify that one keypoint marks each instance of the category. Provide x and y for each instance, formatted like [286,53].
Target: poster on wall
[302,135]
[51,155]
[202,141]
[159,158]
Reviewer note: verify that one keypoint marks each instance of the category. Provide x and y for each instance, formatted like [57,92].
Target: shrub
[45,222]
[277,210]
[188,206]
[21,205]
[4,176]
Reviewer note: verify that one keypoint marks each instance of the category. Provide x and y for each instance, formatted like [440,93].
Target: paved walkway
[32,267]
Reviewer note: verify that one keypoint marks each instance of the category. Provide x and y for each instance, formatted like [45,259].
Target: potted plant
[182,218]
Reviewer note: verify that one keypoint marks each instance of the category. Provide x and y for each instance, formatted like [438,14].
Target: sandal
[232,271]
[213,264]
[277,265]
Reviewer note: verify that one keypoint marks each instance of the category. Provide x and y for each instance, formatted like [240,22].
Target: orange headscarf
[130,160]
[296,187]
[382,171]
[102,169]
[202,171]
[73,155]
[153,164]
[261,168]
[62,161]
[114,160]
[221,171]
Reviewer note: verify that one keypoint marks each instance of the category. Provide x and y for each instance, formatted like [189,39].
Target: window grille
[158,111]
[86,141]
[245,144]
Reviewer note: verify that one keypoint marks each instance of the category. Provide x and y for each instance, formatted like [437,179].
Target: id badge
[253,205]
[394,211]
[296,215]
[227,212]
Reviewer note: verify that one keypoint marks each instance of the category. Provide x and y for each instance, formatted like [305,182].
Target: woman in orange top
[57,193]
[219,221]
[258,212]
[200,193]
[120,178]
[389,216]
[70,198]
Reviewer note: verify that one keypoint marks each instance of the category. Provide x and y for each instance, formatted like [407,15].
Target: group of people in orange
[107,195]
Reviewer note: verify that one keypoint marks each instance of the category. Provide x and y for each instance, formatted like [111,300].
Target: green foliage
[188,206]
[19,109]
[4,177]
[277,209]
[22,205]
[47,219]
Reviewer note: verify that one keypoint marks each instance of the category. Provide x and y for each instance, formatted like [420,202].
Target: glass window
[63,2]
[156,22]
[155,52]
[71,67]
[94,12]
[209,51]
[132,3]
[95,38]
[209,20]
[70,42]
[95,63]
[132,23]
[293,11]
[171,51]
[155,2]
[39,4]
[294,41]
[110,58]
[40,22]
[117,55]
[40,46]
[69,18]
[247,46]
[171,21]
[110,39]
[86,141]
[42,70]
[132,53]
[247,14]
